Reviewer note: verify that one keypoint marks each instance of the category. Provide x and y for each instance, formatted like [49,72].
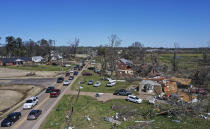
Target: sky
[154,23]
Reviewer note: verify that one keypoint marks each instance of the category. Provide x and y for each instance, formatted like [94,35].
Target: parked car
[55,93]
[97,84]
[11,119]
[91,68]
[66,83]
[49,89]
[93,63]
[60,80]
[34,114]
[76,68]
[97,71]
[82,82]
[110,84]
[87,74]
[67,74]
[135,99]
[75,73]
[31,102]
[67,65]
[122,92]
[71,78]
[90,82]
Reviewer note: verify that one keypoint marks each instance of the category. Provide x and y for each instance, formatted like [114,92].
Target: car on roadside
[76,67]
[31,102]
[110,84]
[97,71]
[34,114]
[66,83]
[122,92]
[90,82]
[87,74]
[49,89]
[75,73]
[97,84]
[11,119]
[135,99]
[60,80]
[67,74]
[91,68]
[71,77]
[55,93]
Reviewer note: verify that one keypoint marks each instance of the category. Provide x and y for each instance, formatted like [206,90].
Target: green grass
[102,88]
[38,67]
[186,62]
[98,110]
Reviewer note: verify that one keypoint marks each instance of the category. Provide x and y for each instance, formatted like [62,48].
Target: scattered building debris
[99,94]
[110,119]
[87,117]
[145,121]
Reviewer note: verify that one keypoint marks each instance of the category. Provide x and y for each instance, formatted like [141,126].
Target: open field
[37,67]
[11,95]
[98,110]
[11,73]
[102,88]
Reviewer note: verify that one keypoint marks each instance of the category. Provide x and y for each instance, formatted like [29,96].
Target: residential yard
[37,67]
[87,106]
[102,88]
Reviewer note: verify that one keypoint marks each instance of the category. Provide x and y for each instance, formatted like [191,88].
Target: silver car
[97,84]
[34,114]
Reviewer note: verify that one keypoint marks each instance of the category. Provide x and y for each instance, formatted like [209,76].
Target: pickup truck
[55,93]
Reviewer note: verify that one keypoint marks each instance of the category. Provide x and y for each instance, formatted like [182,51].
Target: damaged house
[124,67]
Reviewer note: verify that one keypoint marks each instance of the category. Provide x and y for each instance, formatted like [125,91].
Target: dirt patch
[10,73]
[12,96]
[8,98]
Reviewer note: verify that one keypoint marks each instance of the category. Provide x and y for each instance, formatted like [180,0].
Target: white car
[110,84]
[97,84]
[135,99]
[31,102]
[66,82]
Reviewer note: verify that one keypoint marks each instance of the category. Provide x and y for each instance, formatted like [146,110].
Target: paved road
[46,104]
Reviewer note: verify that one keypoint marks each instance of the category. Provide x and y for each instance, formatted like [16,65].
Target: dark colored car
[91,68]
[75,68]
[75,73]
[87,74]
[60,80]
[11,119]
[90,82]
[67,74]
[34,114]
[49,89]
[122,92]
[71,77]
[55,93]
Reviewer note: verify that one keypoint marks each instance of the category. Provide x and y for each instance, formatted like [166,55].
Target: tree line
[16,47]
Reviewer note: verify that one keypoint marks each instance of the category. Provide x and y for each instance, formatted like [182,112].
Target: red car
[55,93]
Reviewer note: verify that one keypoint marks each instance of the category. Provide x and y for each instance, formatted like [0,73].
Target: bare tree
[115,42]
[74,46]
[136,52]
[174,60]
[102,51]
